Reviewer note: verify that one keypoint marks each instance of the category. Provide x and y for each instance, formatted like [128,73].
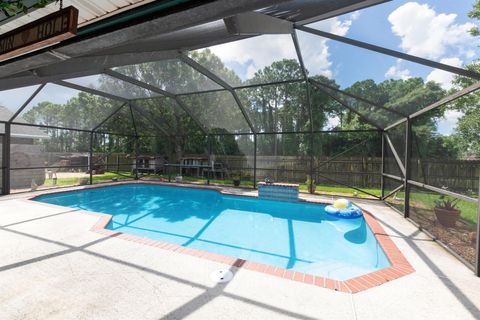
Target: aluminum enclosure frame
[404,180]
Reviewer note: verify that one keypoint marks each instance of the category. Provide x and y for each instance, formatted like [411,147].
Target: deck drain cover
[221,276]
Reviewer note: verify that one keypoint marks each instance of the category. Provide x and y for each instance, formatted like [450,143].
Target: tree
[213,110]
[468,125]
[14,7]
[475,14]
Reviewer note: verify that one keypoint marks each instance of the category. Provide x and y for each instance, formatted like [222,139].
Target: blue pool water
[291,235]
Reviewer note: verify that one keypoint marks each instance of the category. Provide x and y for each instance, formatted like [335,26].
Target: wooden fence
[362,172]
[456,175]
[356,171]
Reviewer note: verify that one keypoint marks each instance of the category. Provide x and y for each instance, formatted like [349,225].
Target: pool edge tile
[399,267]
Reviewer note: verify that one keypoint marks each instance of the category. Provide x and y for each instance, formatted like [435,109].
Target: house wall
[26,156]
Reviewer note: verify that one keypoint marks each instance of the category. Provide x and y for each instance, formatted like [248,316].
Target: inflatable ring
[351,212]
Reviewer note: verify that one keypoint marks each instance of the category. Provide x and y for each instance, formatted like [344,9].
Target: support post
[393,53]
[310,111]
[382,167]
[90,158]
[310,187]
[477,263]
[209,139]
[408,151]
[6,159]
[254,161]
[137,152]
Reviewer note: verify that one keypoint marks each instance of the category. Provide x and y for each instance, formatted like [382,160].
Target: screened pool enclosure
[188,113]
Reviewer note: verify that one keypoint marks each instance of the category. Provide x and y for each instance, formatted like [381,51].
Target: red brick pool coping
[399,265]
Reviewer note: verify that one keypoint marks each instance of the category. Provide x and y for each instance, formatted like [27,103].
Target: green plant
[446,202]
[15,6]
[309,181]
[236,177]
[311,184]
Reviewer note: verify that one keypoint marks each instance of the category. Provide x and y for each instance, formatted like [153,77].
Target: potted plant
[446,211]
[236,179]
[268,180]
[311,184]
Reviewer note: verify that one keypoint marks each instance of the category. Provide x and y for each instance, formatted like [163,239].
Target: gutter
[138,15]
[132,16]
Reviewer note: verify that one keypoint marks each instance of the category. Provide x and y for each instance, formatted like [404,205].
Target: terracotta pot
[472,236]
[447,217]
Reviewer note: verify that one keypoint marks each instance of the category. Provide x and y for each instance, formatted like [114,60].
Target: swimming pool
[292,235]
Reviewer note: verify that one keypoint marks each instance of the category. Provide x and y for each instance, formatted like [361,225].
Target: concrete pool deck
[53,267]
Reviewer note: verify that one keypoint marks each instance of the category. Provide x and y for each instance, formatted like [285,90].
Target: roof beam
[346,105]
[89,90]
[26,103]
[133,120]
[373,104]
[190,114]
[195,65]
[448,99]
[393,53]
[393,125]
[108,117]
[254,23]
[305,76]
[147,86]
[149,119]
[474,87]
[149,26]
[152,116]
[138,83]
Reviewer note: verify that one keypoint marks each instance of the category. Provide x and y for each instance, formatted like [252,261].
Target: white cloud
[470,54]
[425,33]
[256,53]
[315,49]
[332,123]
[448,124]
[444,78]
[396,71]
[251,69]
[315,54]
[335,25]
[355,15]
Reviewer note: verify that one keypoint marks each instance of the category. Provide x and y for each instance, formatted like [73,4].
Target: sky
[436,30]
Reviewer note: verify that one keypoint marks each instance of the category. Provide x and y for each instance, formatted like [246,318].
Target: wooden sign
[45,31]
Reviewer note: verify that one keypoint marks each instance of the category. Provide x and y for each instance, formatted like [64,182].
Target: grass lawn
[426,200]
[107,176]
